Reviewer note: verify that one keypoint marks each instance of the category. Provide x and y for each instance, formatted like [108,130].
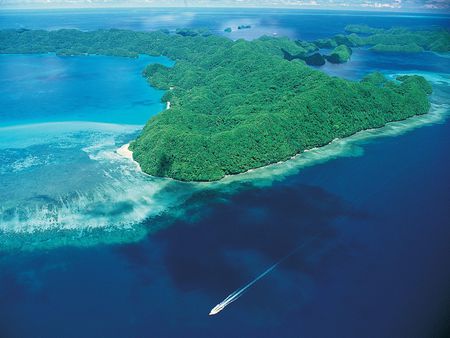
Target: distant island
[309,52]
[229,29]
[398,39]
[237,105]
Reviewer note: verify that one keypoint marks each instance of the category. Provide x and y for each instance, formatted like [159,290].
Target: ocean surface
[91,247]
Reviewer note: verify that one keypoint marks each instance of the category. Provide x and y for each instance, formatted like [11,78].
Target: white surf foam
[117,205]
[28,162]
[117,197]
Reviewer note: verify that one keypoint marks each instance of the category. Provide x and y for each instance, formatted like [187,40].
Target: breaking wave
[86,186]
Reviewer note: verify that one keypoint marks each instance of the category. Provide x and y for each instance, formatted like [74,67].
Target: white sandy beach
[127,153]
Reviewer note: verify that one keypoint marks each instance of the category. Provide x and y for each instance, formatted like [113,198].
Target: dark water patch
[142,260]
[269,224]
[109,209]
[43,198]
[11,290]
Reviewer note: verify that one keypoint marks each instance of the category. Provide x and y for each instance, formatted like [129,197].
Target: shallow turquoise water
[46,88]
[63,119]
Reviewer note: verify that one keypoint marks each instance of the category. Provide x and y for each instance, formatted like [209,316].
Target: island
[408,48]
[229,29]
[235,105]
[325,43]
[340,54]
[398,39]
[363,29]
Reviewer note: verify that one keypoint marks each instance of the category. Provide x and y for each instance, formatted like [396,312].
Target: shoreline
[429,117]
[124,151]
[435,114]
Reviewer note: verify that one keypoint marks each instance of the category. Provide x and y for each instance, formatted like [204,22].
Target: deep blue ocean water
[81,255]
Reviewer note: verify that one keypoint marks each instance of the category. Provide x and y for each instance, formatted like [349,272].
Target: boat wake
[239,292]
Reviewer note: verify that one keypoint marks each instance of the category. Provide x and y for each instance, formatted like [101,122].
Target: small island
[236,105]
[240,27]
[340,54]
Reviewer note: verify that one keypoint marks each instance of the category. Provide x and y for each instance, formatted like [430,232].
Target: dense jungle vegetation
[235,105]
[398,39]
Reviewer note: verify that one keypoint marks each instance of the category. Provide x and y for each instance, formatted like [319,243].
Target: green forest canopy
[235,105]
[399,39]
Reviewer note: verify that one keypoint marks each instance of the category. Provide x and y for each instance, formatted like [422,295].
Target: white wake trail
[239,292]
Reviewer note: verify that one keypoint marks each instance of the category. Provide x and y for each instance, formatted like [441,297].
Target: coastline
[436,113]
[341,147]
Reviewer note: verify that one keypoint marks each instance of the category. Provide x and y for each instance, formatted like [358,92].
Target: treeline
[235,105]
